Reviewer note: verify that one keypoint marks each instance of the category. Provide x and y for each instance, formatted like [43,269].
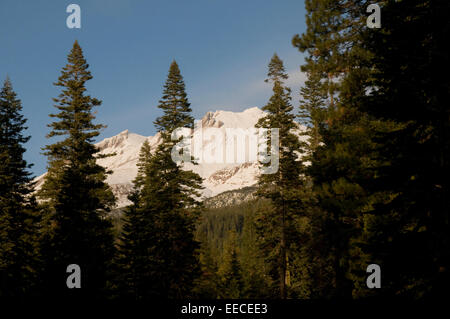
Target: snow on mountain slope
[245,119]
[218,177]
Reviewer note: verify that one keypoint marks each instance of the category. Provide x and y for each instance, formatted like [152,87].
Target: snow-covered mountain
[218,177]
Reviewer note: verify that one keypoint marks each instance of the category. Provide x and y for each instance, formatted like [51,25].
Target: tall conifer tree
[18,210]
[278,226]
[167,205]
[314,258]
[136,253]
[341,162]
[312,110]
[408,233]
[75,194]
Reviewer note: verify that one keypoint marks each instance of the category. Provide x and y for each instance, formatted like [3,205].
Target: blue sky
[222,48]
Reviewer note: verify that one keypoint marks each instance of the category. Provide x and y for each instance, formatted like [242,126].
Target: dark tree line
[371,187]
[156,254]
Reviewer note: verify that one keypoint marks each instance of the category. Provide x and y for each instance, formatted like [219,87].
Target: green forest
[368,185]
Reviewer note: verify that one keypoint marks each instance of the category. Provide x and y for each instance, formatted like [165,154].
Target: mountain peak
[245,119]
[254,109]
[121,140]
[218,178]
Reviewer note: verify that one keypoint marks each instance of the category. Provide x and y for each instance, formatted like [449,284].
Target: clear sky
[222,47]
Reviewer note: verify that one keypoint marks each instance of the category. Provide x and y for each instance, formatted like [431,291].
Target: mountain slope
[218,177]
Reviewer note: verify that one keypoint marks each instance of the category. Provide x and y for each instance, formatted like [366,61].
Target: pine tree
[325,25]
[75,194]
[167,202]
[341,162]
[230,272]
[254,270]
[408,232]
[174,104]
[18,210]
[313,264]
[277,227]
[312,110]
[136,253]
[207,284]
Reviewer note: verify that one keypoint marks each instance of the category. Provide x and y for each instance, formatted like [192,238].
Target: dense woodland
[370,185]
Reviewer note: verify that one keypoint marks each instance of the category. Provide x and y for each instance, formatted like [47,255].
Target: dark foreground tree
[166,208]
[75,195]
[341,155]
[378,173]
[408,234]
[18,210]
